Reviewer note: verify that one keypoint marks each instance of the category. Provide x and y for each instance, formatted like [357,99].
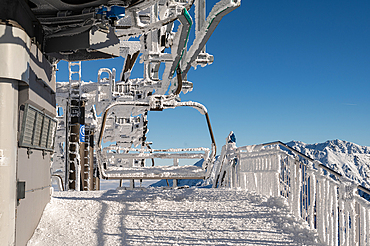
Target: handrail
[37,189]
[305,157]
[360,187]
[290,148]
[330,170]
[363,189]
[334,207]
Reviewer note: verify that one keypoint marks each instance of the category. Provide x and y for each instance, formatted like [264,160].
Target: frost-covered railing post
[295,175]
[312,197]
[227,166]
[347,209]
[259,171]
[363,220]
[329,202]
[326,200]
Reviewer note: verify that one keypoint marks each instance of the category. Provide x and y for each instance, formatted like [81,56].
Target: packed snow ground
[192,216]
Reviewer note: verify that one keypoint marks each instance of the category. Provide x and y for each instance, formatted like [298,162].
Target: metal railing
[60,181]
[326,200]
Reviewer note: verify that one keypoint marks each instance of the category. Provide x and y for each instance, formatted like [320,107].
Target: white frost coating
[77,163]
[126,171]
[161,150]
[167,77]
[313,196]
[216,10]
[121,157]
[332,206]
[158,172]
[347,158]
[342,221]
[200,12]
[330,211]
[200,107]
[368,225]
[363,225]
[129,47]
[153,23]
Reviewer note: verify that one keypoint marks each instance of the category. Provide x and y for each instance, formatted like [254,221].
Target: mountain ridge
[347,158]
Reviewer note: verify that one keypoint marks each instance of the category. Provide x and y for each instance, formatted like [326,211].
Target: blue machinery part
[112,12]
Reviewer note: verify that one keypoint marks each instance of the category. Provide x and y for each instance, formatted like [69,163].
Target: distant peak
[336,145]
[345,157]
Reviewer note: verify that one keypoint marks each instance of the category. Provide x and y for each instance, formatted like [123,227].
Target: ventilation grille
[38,129]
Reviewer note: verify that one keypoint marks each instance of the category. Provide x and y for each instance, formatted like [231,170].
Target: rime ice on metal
[155,33]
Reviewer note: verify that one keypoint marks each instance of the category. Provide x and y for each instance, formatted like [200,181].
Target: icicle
[298,189]
[352,216]
[342,221]
[327,210]
[348,228]
[336,215]
[313,199]
[367,226]
[331,212]
[363,224]
[320,209]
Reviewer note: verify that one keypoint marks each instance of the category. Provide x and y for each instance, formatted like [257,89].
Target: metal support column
[75,160]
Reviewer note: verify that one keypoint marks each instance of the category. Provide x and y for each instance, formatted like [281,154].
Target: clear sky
[283,70]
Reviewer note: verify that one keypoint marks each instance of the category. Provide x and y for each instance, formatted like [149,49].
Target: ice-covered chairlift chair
[158,103]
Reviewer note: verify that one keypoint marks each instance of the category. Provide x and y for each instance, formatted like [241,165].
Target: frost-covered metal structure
[34,36]
[337,208]
[157,33]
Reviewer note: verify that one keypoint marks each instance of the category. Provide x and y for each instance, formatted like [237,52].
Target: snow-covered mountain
[349,159]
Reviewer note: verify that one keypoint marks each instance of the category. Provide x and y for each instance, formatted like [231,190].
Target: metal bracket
[21,190]
[156,103]
[29,152]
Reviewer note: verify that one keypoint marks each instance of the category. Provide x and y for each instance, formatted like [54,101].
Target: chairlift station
[79,133]
[56,130]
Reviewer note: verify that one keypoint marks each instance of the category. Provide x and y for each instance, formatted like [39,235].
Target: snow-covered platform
[193,216]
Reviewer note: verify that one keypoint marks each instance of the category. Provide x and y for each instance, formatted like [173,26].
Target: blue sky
[283,70]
